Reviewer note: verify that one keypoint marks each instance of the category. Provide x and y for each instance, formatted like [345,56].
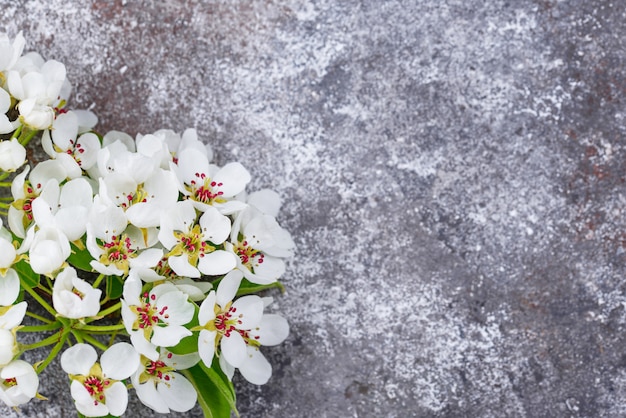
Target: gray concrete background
[453,174]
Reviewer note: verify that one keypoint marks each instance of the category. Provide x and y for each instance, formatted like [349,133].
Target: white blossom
[97,388]
[239,328]
[193,245]
[159,387]
[12,155]
[156,318]
[18,383]
[73,297]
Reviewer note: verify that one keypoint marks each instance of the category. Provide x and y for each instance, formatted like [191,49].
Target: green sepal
[216,394]
[27,276]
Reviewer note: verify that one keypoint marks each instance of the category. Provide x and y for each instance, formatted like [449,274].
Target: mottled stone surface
[453,174]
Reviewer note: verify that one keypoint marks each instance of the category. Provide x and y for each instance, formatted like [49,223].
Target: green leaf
[216,394]
[188,344]
[247,288]
[80,258]
[26,273]
[115,287]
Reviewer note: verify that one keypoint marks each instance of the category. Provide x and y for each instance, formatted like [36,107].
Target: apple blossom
[239,328]
[38,87]
[66,208]
[18,383]
[24,191]
[76,152]
[159,387]
[223,321]
[156,318]
[260,244]
[97,388]
[193,246]
[12,155]
[73,297]
[114,245]
[10,51]
[48,248]
[209,185]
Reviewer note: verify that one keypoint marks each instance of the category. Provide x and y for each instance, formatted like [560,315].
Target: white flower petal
[178,393]
[216,263]
[180,265]
[206,346]
[24,374]
[143,346]
[249,309]
[64,130]
[272,330]
[256,369]
[85,403]
[233,349]
[148,395]
[116,398]
[169,336]
[227,289]
[215,226]
[119,361]
[234,178]
[206,312]
[78,359]
[175,305]
[267,201]
[228,370]
[14,316]
[9,286]
[179,361]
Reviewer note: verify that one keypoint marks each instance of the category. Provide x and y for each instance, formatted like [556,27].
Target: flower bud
[12,155]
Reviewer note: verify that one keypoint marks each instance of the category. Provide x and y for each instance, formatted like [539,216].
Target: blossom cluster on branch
[140,248]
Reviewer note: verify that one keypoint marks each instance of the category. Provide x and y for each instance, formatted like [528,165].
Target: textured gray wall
[453,174]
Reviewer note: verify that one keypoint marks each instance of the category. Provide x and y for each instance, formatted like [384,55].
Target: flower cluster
[142,248]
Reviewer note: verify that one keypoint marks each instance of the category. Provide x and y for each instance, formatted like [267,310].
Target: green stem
[39,299]
[38,317]
[17,132]
[98,281]
[5,184]
[101,328]
[26,135]
[36,328]
[47,341]
[105,312]
[45,289]
[53,353]
[78,335]
[93,341]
